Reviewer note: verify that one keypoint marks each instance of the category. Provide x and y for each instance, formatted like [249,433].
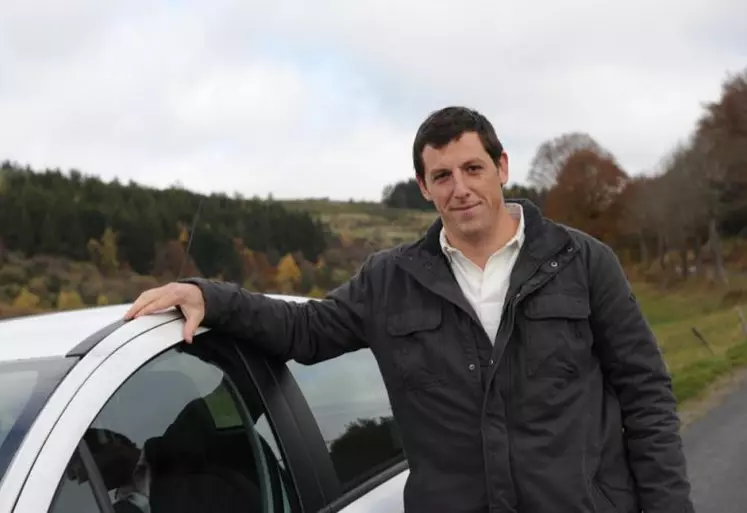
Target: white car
[98,415]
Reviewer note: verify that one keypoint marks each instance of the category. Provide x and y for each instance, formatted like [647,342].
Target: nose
[460,184]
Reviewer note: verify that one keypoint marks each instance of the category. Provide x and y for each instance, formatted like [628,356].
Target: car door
[165,426]
[343,410]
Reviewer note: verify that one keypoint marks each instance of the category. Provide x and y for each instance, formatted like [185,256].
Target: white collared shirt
[486,289]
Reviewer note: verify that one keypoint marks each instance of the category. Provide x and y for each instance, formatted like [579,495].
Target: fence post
[703,340]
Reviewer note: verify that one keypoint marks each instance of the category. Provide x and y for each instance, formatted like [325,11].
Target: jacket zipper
[508,399]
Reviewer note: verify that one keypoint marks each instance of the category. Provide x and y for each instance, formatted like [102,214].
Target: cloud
[323,98]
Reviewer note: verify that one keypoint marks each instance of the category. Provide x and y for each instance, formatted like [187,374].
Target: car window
[16,388]
[176,436]
[25,387]
[75,493]
[350,403]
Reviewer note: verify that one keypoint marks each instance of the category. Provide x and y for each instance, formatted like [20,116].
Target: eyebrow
[472,161]
[475,160]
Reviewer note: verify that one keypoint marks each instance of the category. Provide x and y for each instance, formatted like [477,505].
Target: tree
[265,272]
[688,201]
[587,195]
[536,196]
[171,259]
[288,274]
[721,142]
[552,155]
[69,300]
[104,252]
[405,194]
[26,299]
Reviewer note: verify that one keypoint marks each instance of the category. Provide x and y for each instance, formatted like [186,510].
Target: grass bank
[674,314]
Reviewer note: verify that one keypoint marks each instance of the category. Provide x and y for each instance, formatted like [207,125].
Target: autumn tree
[720,140]
[103,252]
[586,195]
[69,300]
[686,199]
[172,259]
[552,155]
[26,299]
[288,275]
[265,272]
[637,216]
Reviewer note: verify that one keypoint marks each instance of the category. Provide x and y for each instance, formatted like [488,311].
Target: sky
[322,98]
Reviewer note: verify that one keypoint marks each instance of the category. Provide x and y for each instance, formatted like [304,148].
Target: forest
[69,239]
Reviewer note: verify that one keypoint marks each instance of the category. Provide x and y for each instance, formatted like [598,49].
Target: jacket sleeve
[635,368]
[307,332]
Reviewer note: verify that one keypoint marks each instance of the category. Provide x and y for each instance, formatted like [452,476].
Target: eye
[473,168]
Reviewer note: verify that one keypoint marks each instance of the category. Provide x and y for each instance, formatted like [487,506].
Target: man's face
[464,184]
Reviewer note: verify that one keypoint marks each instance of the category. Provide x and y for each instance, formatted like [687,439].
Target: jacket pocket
[416,338]
[556,326]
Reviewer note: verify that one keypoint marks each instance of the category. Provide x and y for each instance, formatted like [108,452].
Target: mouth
[465,208]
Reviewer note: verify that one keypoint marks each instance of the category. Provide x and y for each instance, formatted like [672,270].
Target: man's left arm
[634,365]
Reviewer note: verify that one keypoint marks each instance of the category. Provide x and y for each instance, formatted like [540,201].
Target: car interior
[192,466]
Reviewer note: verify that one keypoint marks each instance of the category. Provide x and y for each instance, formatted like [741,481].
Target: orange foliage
[169,258]
[587,195]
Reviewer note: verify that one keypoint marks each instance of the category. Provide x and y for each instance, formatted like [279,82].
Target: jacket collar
[544,238]
[427,263]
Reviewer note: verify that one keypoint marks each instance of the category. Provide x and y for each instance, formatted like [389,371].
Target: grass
[711,310]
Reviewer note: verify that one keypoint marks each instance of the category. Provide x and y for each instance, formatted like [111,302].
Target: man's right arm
[307,332]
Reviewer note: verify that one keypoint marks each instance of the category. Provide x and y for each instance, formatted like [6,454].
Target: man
[522,374]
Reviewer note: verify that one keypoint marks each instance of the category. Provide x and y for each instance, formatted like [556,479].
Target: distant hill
[75,216]
[377,224]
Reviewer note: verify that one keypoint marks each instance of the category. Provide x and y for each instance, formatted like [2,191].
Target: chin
[469,229]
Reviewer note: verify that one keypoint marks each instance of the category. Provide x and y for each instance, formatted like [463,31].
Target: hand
[185,296]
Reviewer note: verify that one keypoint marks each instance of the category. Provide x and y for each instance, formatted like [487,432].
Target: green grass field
[712,311]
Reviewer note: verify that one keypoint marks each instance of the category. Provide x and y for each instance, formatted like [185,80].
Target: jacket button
[490,361]
[553,264]
[471,366]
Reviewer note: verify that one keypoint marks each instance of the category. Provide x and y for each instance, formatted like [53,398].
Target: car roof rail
[93,339]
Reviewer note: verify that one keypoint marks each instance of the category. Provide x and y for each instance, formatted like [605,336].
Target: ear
[503,168]
[424,189]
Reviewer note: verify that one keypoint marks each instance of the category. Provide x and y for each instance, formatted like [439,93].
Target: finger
[162,302]
[144,299]
[190,326]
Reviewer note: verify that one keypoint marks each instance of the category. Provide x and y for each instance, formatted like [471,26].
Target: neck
[480,247]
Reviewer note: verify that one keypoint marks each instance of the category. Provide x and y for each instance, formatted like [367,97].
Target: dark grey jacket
[571,411]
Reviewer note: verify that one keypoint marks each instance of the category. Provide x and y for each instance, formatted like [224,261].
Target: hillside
[375,223]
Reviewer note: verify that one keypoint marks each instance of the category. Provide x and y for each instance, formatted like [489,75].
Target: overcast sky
[322,98]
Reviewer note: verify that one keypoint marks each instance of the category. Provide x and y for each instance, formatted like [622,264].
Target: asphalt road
[716,451]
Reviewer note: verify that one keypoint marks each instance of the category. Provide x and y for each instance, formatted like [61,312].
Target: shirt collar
[516,211]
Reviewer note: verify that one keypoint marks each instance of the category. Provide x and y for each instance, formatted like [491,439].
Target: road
[716,450]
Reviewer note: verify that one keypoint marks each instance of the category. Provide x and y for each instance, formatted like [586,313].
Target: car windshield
[24,388]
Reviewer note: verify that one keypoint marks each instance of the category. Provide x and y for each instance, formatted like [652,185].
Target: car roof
[56,334]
